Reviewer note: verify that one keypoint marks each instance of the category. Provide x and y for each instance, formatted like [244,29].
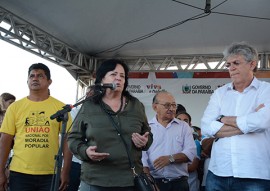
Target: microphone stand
[62,115]
[59,157]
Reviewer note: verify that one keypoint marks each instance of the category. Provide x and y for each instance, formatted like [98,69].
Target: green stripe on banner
[184,74]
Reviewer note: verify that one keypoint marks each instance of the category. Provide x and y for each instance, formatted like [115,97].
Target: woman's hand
[95,156]
[140,140]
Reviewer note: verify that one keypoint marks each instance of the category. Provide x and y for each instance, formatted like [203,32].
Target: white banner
[192,93]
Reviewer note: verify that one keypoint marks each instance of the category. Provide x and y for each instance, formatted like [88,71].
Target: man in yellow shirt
[36,137]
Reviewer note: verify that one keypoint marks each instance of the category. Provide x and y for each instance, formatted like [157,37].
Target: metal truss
[185,63]
[30,38]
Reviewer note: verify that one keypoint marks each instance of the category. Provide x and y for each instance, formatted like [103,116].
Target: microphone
[58,114]
[104,86]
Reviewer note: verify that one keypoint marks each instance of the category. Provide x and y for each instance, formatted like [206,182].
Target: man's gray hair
[242,48]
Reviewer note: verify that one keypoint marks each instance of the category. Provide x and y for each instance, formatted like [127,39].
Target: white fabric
[74,159]
[247,155]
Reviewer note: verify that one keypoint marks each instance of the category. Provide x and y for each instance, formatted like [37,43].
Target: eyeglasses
[168,105]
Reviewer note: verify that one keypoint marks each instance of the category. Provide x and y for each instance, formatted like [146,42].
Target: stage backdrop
[191,89]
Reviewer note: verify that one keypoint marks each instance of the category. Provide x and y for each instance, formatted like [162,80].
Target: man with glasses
[173,146]
[238,116]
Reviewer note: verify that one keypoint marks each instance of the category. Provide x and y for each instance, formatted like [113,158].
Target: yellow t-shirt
[36,135]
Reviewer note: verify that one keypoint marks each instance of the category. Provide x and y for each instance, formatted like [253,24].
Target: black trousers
[179,184]
[27,182]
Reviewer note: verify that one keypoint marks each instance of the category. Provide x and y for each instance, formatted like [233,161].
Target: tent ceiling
[93,26]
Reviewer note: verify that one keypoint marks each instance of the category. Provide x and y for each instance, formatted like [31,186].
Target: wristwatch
[220,117]
[171,159]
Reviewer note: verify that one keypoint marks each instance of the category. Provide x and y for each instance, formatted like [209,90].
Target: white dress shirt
[247,155]
[175,138]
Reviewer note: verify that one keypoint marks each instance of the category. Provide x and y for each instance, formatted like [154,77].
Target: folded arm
[230,127]
[228,131]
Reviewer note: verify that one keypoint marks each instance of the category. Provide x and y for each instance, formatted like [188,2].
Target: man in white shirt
[238,115]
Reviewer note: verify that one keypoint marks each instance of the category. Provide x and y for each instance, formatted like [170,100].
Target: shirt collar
[154,120]
[255,83]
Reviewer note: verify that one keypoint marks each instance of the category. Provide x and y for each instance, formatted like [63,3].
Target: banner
[193,90]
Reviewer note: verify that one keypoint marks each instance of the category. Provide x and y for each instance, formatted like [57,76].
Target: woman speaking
[100,127]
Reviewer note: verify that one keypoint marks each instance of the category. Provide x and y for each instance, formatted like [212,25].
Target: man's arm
[230,127]
[194,165]
[5,147]
[187,154]
[163,161]
[228,131]
[229,121]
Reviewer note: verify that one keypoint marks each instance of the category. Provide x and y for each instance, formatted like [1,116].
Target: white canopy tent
[77,34]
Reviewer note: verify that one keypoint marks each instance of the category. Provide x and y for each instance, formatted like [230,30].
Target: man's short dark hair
[40,66]
[180,108]
[196,127]
[7,96]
